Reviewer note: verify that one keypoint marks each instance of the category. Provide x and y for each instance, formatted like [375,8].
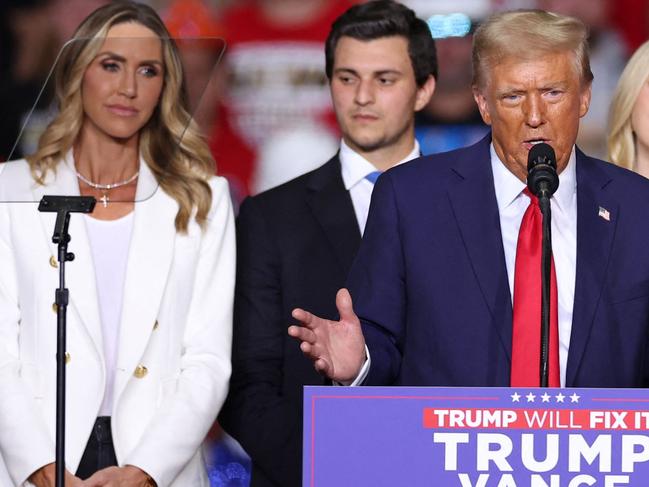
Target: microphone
[543,181]
[542,177]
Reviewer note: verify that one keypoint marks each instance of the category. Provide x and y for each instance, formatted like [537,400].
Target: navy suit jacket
[430,282]
[295,245]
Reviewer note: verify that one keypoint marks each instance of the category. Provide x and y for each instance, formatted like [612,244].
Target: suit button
[67,357]
[140,371]
[53,262]
[55,308]
[155,325]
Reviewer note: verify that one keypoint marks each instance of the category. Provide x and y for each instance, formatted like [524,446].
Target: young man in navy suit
[296,242]
[436,280]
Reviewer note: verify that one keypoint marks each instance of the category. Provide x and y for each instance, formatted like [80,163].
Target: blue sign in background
[378,436]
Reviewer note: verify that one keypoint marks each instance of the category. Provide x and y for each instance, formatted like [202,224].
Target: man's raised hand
[337,348]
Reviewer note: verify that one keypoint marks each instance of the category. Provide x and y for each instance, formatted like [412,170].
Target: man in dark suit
[297,242]
[437,280]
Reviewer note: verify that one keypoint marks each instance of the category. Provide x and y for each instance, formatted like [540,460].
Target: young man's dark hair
[385,18]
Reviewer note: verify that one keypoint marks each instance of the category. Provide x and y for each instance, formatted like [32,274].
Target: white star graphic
[574,397]
[516,397]
[545,397]
[560,397]
[530,397]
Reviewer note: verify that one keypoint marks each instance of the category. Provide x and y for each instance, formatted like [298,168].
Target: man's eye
[386,81]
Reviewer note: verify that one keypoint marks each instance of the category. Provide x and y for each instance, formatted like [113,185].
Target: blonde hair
[170,142]
[621,140]
[524,34]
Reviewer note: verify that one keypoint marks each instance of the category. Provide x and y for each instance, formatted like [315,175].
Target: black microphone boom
[542,178]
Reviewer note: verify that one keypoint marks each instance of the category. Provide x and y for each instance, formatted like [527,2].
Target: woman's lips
[123,111]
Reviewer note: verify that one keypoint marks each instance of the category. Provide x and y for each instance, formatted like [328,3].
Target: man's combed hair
[170,142]
[385,18]
[526,34]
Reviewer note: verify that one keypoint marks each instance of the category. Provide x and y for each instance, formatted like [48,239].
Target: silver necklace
[104,188]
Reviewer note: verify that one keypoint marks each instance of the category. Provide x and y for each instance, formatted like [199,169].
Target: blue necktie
[373,176]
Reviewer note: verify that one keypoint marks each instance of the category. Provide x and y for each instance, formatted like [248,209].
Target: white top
[354,168]
[512,204]
[109,243]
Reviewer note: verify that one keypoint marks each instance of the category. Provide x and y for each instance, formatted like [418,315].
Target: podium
[475,437]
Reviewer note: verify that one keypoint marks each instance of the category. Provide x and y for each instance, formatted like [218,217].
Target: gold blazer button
[67,357]
[140,371]
[53,261]
[155,325]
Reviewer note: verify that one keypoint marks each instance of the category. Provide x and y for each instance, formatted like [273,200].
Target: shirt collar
[508,187]
[355,167]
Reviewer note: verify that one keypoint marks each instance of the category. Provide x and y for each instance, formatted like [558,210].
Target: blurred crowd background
[258,90]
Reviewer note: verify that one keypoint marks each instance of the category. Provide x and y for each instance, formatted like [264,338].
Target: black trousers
[99,452]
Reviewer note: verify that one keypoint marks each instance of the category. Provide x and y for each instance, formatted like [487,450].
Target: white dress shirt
[354,168]
[512,204]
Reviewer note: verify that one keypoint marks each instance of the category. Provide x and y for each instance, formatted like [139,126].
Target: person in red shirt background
[276,80]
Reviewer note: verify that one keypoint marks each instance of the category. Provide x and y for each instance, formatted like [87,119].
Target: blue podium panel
[475,437]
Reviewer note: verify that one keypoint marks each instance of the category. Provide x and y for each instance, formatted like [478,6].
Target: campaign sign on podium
[475,437]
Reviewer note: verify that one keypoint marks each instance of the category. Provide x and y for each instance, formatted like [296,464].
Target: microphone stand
[62,206]
[546,263]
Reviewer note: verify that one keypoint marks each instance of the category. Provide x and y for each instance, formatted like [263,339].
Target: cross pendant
[104,200]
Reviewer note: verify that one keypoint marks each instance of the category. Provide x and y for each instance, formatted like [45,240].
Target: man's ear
[424,93]
[584,99]
[481,101]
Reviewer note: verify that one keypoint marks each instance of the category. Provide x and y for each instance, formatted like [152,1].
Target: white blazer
[173,362]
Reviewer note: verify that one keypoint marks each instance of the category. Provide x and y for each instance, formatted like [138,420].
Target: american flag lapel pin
[604,213]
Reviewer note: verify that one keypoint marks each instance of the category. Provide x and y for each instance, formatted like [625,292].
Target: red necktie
[526,336]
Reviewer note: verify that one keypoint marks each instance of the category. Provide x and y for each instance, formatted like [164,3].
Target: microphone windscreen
[541,154]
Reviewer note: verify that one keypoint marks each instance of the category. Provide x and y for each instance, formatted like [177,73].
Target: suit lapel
[332,207]
[474,204]
[80,273]
[149,262]
[594,241]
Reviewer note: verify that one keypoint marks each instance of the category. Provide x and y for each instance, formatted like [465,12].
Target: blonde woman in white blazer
[158,361]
